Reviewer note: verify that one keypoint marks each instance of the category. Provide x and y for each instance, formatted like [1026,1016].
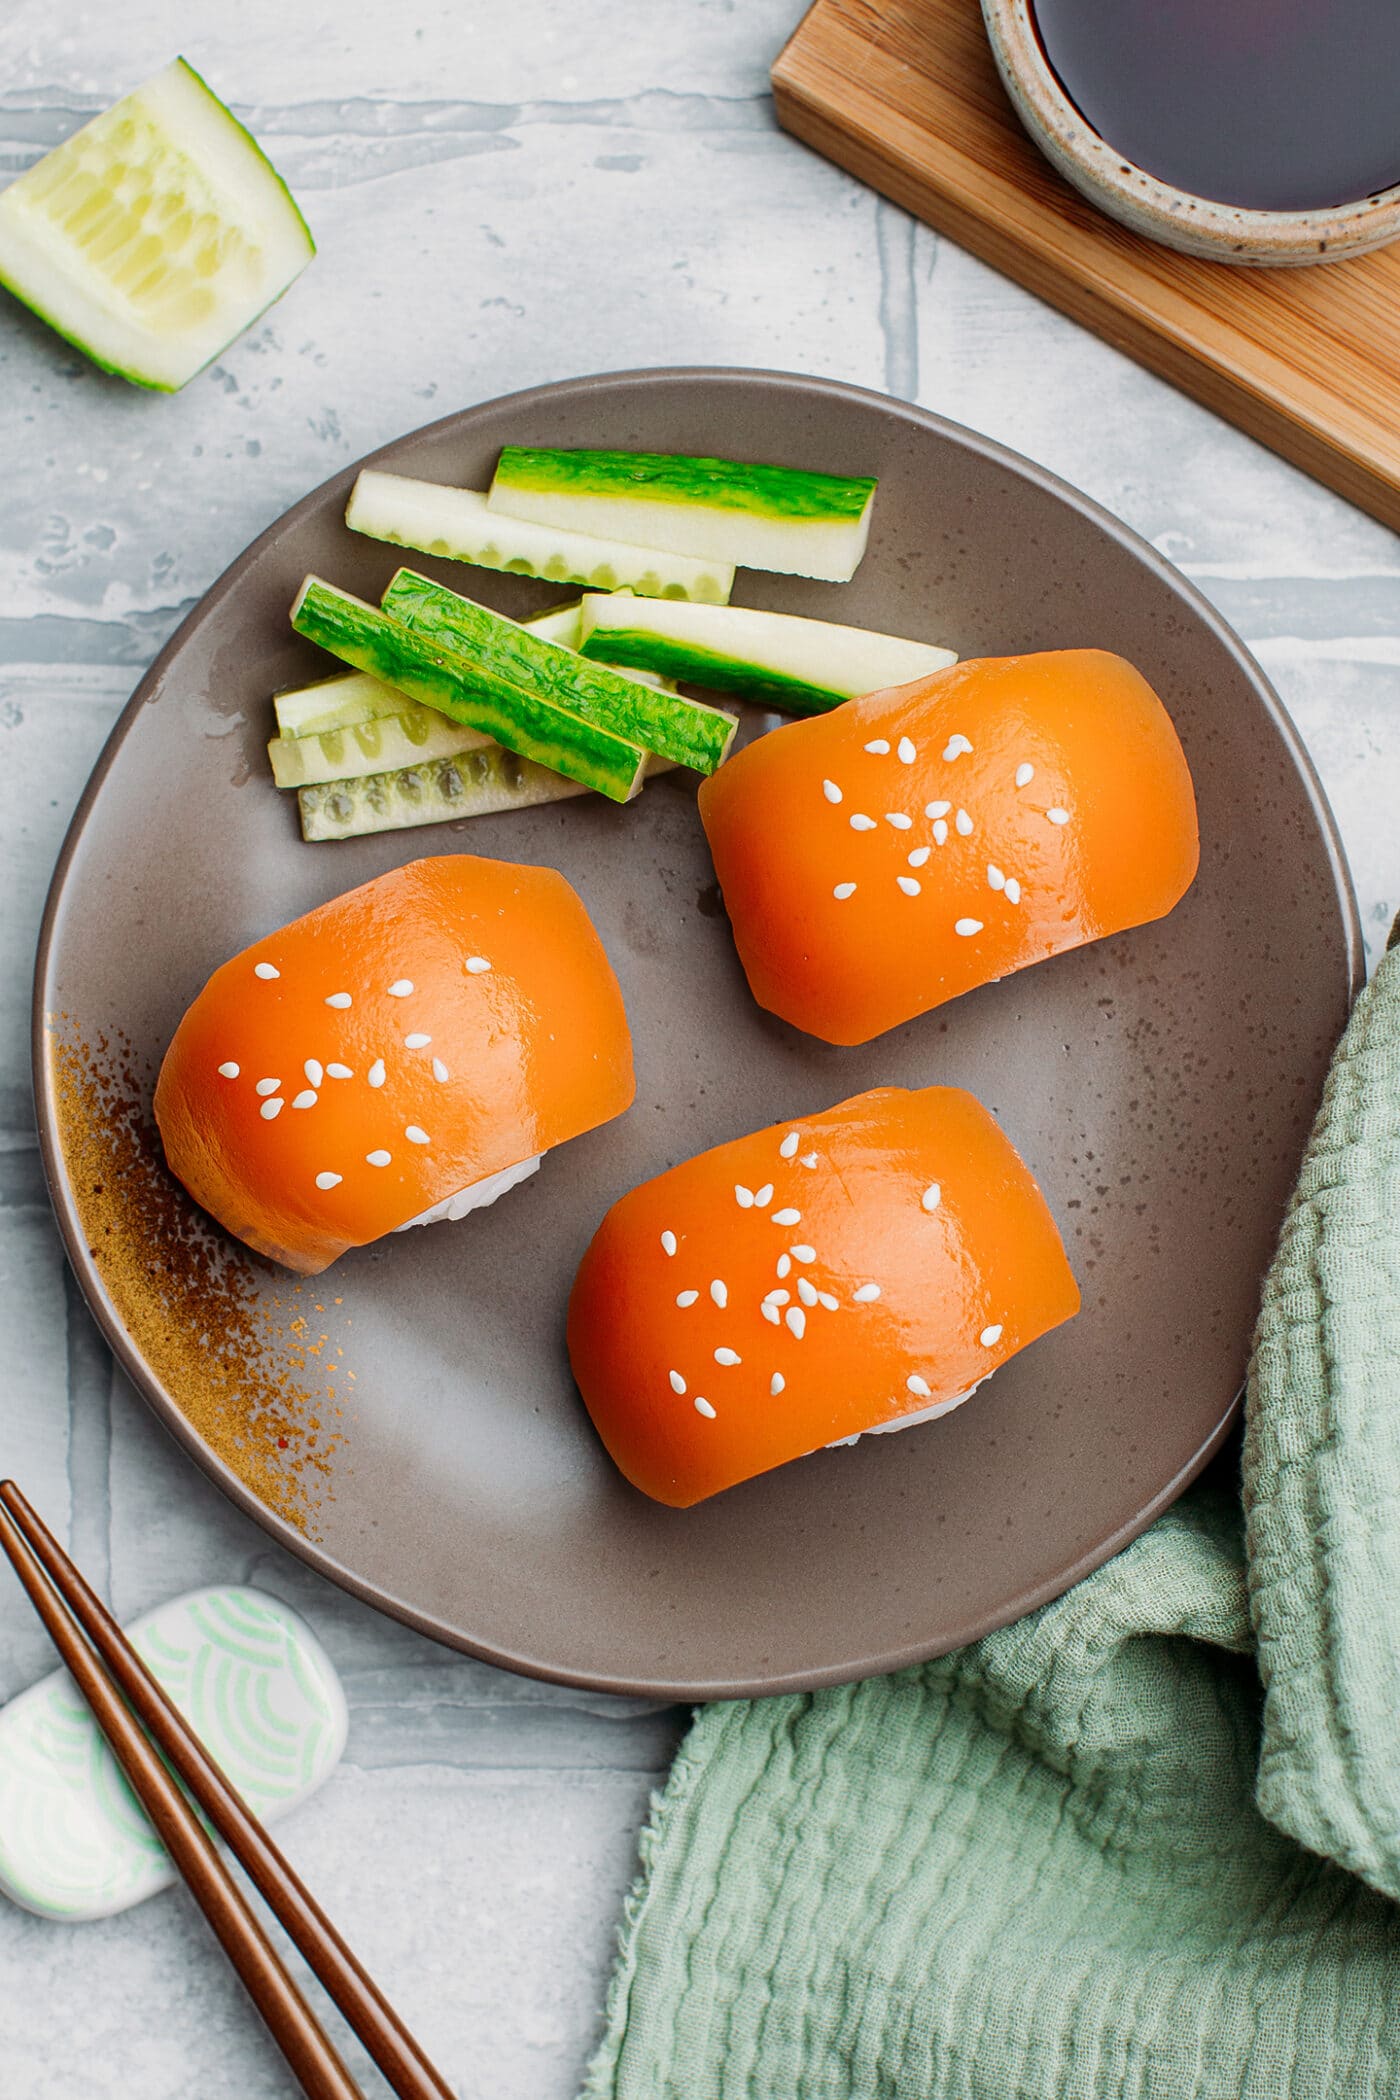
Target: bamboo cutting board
[905,95]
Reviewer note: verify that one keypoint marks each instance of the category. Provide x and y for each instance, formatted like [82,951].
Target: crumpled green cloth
[1144,1843]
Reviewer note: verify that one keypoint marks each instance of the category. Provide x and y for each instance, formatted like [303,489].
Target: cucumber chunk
[456,523]
[381,745]
[155,235]
[778,659]
[474,694]
[763,517]
[475,784]
[684,730]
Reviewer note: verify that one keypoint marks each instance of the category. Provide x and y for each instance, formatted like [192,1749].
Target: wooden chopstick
[54,1583]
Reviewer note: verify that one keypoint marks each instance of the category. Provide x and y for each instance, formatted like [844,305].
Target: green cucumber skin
[684,730]
[447,790]
[788,493]
[708,667]
[472,694]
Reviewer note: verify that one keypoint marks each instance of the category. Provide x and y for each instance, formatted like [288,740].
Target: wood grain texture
[904,94]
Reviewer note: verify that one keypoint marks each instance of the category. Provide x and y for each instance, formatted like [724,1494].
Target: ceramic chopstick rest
[260,1692]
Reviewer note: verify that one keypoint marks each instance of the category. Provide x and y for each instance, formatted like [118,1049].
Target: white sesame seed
[784,1264]
[899,820]
[919,857]
[770,1313]
[1013,890]
[879,747]
[228,1071]
[1057,815]
[826,1301]
[378,1158]
[867,1294]
[787,1148]
[787,1217]
[806,1291]
[778,1297]
[339,1000]
[440,1071]
[843,890]
[996,880]
[477,965]
[989,1337]
[808,1159]
[416,1136]
[803,1253]
[776,1384]
[417,1041]
[963,823]
[862,823]
[932,1196]
[703,1407]
[401,988]
[267,1086]
[728,1357]
[307,1098]
[339,1072]
[329,1181]
[831,791]
[265,971]
[375,1074]
[685,1299]
[940,832]
[906,751]
[956,744]
[668,1242]
[314,1072]
[796,1320]
[910,884]
[937,809]
[763,1197]
[677,1382]
[919,1387]
[742,1196]
[967,927]
[272,1109]
[1024,775]
[719,1291]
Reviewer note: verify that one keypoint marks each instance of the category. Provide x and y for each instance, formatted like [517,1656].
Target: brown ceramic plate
[441,1465]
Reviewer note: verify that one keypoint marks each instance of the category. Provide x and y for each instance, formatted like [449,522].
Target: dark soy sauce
[1277,105]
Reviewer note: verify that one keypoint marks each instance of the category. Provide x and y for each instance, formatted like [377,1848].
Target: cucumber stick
[560,624]
[154,235]
[457,523]
[381,745]
[476,694]
[781,518]
[340,702]
[683,730]
[476,784]
[803,666]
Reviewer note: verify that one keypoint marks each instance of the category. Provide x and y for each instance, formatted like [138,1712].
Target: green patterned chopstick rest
[257,1687]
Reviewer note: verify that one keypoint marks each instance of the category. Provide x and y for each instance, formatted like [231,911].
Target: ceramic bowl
[1196,225]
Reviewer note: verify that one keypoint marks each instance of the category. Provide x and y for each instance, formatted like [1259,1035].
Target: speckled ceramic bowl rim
[46,1104]
[1198,226]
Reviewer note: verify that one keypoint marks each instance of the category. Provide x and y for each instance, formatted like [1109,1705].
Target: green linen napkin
[1144,1843]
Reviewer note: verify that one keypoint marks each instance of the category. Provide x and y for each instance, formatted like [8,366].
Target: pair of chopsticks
[125,1700]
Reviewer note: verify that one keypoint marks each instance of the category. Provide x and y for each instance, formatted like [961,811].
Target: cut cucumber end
[155,235]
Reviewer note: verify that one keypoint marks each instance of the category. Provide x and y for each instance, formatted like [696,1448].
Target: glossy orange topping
[816,1280]
[894,853]
[435,1026]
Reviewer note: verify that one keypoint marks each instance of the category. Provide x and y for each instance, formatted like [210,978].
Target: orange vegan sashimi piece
[854,1271]
[430,1030]
[910,845]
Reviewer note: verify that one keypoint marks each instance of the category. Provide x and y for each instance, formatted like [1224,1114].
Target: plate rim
[89,1279]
